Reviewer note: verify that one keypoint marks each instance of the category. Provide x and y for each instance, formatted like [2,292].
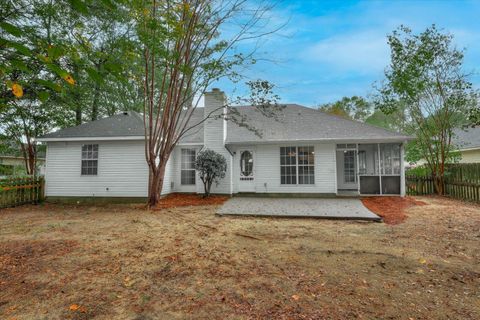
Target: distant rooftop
[468,138]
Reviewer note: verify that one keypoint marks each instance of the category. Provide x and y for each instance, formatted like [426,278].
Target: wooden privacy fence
[419,186]
[461,182]
[21,190]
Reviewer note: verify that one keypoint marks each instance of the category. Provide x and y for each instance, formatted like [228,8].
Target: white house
[467,142]
[299,151]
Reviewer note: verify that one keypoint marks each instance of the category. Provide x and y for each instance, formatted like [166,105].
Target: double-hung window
[188,167]
[297,165]
[89,160]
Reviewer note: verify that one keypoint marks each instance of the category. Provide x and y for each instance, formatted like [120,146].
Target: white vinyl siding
[122,170]
[267,170]
[470,156]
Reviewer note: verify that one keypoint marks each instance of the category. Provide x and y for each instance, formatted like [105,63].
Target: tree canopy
[426,78]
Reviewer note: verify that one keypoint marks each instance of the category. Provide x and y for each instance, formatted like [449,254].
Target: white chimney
[215,133]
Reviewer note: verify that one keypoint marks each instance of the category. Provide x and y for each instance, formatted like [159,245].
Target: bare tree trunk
[78,115]
[155,185]
[206,190]
[95,103]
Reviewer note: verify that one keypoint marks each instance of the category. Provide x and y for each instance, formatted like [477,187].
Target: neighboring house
[16,164]
[300,151]
[468,143]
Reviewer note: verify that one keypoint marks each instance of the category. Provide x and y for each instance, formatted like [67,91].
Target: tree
[355,108]
[183,54]
[396,120]
[211,167]
[62,60]
[426,76]
[31,72]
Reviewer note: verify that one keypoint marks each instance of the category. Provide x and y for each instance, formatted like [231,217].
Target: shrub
[211,167]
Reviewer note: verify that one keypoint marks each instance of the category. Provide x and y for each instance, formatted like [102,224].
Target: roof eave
[115,138]
[335,140]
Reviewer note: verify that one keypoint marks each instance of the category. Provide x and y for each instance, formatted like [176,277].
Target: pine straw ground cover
[391,209]
[175,200]
[121,262]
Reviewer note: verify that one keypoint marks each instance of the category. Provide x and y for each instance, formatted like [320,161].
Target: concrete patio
[329,208]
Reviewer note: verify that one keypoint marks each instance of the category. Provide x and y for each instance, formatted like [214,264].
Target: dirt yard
[121,262]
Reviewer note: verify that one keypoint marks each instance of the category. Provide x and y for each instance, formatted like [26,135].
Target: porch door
[347,170]
[247,171]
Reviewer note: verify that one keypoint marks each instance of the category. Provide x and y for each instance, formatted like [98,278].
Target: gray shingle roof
[293,122]
[467,138]
[121,125]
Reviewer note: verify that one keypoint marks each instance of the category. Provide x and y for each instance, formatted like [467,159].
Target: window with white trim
[297,165]
[89,160]
[188,167]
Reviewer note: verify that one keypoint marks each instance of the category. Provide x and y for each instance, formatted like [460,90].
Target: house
[15,165]
[467,142]
[299,151]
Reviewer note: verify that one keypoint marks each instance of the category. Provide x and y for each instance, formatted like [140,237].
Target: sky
[331,49]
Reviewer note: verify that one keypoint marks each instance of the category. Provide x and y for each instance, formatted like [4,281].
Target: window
[349,166]
[288,165]
[89,160]
[297,165]
[346,146]
[246,166]
[188,167]
[305,165]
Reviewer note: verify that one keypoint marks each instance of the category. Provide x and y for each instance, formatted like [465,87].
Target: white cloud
[364,52]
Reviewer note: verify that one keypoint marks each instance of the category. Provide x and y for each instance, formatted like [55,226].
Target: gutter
[119,138]
[343,140]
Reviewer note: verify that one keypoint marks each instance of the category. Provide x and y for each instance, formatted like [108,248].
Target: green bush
[6,170]
[420,171]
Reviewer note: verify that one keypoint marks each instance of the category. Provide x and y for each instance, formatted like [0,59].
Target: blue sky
[331,49]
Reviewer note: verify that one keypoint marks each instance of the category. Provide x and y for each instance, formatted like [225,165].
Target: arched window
[246,164]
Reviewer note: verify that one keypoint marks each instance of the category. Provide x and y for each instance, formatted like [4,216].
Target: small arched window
[246,164]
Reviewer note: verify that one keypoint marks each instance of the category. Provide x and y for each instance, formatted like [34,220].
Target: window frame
[89,156]
[183,152]
[251,165]
[293,173]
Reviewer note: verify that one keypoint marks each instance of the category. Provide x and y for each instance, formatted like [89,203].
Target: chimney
[215,126]
[215,133]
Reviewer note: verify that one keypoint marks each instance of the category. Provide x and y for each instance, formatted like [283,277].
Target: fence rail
[454,186]
[21,190]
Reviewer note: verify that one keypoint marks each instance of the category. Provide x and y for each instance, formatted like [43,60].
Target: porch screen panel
[390,159]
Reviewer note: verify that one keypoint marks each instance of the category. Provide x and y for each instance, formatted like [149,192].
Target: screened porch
[369,169]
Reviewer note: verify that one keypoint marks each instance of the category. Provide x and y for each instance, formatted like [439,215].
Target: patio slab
[330,208]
